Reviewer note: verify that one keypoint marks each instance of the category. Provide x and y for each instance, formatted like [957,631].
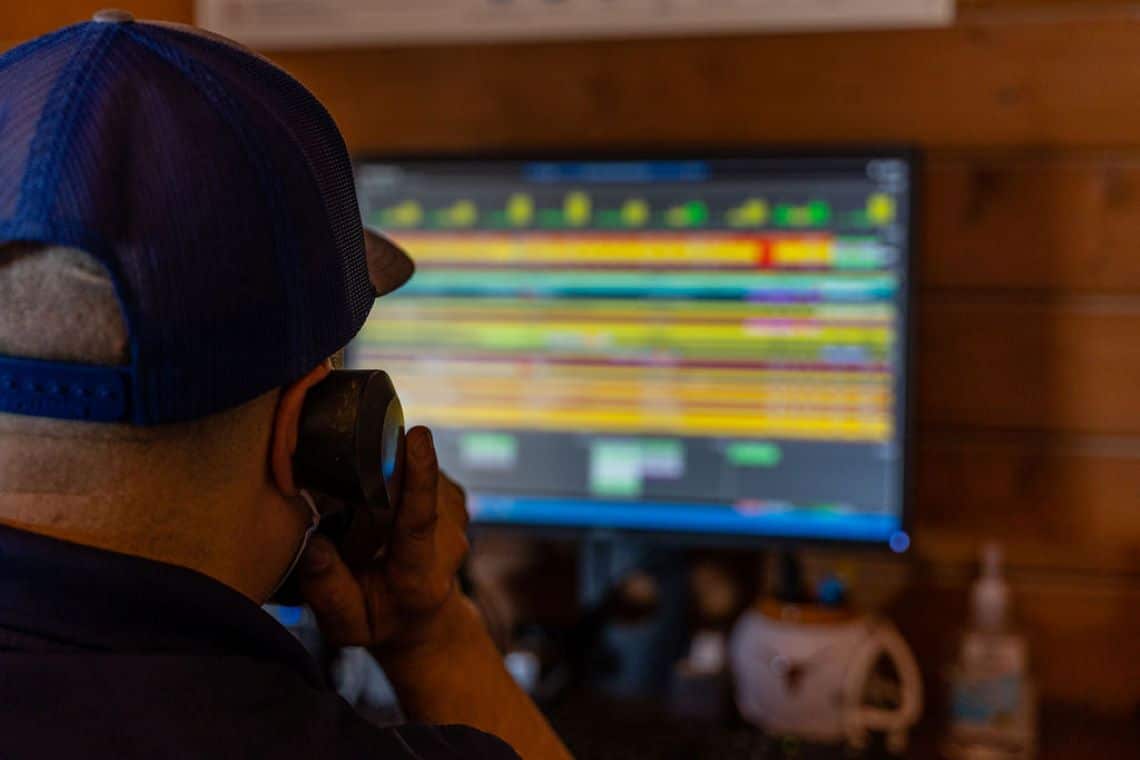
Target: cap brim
[389,266]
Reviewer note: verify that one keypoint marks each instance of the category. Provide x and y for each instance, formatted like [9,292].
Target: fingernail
[422,445]
[318,557]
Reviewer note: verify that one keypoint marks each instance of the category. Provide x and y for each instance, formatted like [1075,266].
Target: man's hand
[408,610]
[408,599]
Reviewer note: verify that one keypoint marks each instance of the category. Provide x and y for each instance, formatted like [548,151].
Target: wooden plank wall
[1029,340]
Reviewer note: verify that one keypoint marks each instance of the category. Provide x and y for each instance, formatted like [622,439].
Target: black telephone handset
[350,457]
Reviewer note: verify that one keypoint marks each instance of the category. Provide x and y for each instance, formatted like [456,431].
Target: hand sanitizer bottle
[993,710]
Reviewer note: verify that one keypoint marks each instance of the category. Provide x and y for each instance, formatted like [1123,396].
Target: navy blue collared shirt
[103,655]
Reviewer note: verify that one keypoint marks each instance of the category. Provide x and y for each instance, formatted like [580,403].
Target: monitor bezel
[702,539]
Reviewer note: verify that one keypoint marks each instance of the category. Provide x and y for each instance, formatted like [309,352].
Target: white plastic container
[993,702]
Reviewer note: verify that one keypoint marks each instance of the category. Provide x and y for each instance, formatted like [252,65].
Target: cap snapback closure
[64,390]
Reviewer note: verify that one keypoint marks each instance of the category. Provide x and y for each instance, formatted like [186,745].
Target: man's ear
[285,426]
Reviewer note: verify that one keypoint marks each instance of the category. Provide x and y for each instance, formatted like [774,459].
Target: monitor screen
[691,346]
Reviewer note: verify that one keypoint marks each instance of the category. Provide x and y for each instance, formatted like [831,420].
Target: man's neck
[197,535]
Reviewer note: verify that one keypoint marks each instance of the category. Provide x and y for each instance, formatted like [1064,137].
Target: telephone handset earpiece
[350,458]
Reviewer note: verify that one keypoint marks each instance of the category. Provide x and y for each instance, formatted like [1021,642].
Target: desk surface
[599,728]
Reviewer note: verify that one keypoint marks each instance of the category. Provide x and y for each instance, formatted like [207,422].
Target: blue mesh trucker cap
[218,195]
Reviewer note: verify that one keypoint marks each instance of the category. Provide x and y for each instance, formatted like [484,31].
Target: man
[180,253]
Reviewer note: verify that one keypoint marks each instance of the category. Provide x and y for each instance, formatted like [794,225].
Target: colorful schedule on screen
[696,346]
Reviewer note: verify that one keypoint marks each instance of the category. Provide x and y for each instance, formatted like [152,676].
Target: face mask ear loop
[314,513]
[315,521]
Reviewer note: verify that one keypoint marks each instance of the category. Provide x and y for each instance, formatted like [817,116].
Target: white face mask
[315,520]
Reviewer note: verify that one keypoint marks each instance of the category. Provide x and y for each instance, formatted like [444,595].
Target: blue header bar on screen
[616,171]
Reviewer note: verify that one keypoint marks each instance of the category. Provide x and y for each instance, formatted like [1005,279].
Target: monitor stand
[790,584]
[634,594]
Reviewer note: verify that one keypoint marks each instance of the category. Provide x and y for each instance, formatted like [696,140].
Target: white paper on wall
[318,23]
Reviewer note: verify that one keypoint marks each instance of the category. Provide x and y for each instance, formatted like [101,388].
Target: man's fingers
[413,539]
[453,502]
[453,548]
[329,588]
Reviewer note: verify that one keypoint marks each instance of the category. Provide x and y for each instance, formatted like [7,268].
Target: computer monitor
[702,346]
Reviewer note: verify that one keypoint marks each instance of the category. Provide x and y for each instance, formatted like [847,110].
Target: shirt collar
[100,600]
